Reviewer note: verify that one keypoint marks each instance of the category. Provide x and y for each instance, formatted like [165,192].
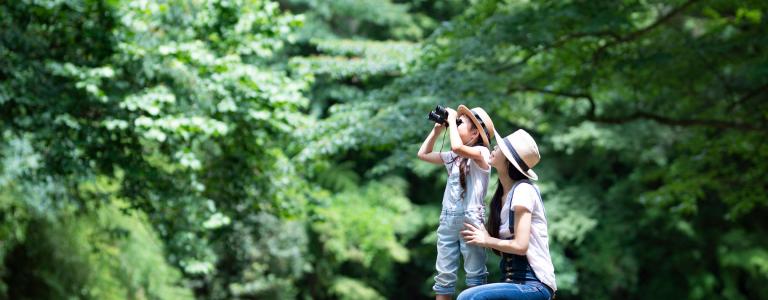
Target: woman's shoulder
[526,186]
[524,194]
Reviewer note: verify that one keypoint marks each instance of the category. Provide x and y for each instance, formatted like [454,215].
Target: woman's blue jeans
[530,289]
[521,283]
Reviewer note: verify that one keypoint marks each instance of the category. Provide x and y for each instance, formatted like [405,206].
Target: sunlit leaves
[360,226]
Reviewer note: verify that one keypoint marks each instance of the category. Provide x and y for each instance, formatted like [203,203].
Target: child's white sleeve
[448,158]
[486,155]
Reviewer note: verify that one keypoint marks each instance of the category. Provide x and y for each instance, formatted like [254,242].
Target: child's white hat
[482,122]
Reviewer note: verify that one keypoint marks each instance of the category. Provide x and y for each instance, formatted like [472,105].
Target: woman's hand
[475,235]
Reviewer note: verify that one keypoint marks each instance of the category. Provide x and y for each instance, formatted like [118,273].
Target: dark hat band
[482,124]
[516,156]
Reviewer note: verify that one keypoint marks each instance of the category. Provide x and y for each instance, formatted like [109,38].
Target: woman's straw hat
[482,122]
[521,150]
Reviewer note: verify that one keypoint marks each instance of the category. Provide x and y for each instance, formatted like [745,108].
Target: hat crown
[521,151]
[482,121]
[486,119]
[525,146]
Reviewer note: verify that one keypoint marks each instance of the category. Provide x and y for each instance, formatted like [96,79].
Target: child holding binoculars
[468,167]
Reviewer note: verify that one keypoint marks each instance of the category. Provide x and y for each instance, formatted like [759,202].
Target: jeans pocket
[525,287]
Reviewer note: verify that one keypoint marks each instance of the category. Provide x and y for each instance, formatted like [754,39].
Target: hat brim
[508,154]
[463,110]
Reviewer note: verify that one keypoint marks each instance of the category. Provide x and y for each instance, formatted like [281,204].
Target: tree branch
[587,96]
[674,122]
[638,115]
[751,94]
[562,41]
[638,33]
[525,88]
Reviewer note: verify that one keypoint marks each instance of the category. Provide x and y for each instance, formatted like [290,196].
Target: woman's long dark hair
[494,219]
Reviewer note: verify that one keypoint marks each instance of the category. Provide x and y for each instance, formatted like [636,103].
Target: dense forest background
[253,149]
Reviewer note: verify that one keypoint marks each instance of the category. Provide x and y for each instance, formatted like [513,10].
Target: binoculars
[440,115]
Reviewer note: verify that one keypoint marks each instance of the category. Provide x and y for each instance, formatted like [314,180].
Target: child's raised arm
[425,151]
[458,147]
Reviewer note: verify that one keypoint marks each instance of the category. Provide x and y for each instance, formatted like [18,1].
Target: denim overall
[461,207]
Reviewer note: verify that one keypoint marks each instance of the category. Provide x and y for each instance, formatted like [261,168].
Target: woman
[517,225]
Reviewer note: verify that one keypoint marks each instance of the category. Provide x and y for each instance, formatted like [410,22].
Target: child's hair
[494,220]
[464,162]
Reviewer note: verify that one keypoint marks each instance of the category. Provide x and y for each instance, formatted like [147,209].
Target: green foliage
[253,157]
[359,59]
[273,252]
[360,225]
[101,255]
[178,103]
[362,232]
[350,18]
[347,288]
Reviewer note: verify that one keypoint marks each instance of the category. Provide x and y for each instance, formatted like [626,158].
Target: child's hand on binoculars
[451,113]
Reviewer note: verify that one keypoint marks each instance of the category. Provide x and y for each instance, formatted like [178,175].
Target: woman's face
[498,160]
[467,132]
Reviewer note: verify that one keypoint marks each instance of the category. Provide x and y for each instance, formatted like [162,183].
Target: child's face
[467,132]
[498,160]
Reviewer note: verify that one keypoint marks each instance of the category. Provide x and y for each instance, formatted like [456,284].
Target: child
[468,166]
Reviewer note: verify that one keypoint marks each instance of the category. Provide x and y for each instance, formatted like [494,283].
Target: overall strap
[509,207]
[509,210]
[516,268]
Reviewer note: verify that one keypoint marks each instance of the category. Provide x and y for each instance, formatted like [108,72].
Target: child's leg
[474,257]
[447,263]
[474,264]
